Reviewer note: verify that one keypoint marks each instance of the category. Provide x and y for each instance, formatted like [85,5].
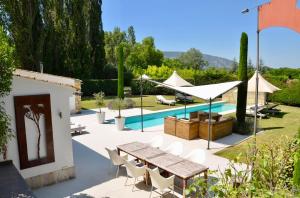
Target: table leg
[147,176]
[118,151]
[184,185]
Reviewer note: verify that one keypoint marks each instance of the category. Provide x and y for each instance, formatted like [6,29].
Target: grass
[284,124]
[149,102]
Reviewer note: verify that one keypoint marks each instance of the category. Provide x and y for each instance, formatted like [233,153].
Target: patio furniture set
[197,126]
[154,161]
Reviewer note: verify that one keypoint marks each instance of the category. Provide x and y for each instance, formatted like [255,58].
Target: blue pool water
[154,119]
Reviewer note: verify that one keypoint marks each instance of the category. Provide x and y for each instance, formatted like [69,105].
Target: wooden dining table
[178,166]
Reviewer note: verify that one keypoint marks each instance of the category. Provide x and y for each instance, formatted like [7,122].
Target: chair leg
[117,171]
[133,184]
[126,180]
[173,192]
[151,191]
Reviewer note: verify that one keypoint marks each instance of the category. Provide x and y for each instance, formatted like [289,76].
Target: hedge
[288,96]
[108,86]
[149,88]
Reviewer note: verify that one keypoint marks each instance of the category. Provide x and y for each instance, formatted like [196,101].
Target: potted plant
[119,120]
[99,100]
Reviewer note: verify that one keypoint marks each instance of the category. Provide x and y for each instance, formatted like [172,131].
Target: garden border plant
[271,175]
[6,72]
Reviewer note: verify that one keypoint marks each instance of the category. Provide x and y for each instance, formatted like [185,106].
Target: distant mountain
[212,60]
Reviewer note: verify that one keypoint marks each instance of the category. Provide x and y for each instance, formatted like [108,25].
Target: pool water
[155,119]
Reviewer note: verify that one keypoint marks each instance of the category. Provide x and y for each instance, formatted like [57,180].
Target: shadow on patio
[91,169]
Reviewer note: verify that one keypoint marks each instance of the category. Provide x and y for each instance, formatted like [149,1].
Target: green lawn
[149,102]
[284,124]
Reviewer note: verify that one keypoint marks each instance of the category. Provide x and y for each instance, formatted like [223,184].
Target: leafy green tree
[112,41]
[7,63]
[67,36]
[234,65]
[193,58]
[25,24]
[172,62]
[144,54]
[242,76]
[251,68]
[120,72]
[131,36]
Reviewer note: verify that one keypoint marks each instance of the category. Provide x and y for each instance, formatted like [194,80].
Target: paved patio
[95,177]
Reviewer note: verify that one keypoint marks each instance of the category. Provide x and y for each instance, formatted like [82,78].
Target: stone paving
[95,177]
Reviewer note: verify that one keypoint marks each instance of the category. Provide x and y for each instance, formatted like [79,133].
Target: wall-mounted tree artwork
[34,130]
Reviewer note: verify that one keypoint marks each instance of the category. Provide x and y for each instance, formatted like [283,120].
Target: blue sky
[212,26]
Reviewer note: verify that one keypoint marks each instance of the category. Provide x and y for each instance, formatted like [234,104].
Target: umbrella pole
[184,105]
[142,116]
[209,125]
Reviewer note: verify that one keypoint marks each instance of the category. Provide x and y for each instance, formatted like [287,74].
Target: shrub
[149,88]
[270,174]
[244,128]
[111,72]
[108,86]
[289,95]
[7,64]
[115,104]
[296,174]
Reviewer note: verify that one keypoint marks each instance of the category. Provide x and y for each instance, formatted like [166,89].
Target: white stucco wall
[60,98]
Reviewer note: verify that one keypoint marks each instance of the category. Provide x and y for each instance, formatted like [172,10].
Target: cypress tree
[96,38]
[120,71]
[242,76]
[26,27]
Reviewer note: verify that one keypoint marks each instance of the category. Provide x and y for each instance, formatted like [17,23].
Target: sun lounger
[77,129]
[162,100]
[181,97]
[250,111]
[270,108]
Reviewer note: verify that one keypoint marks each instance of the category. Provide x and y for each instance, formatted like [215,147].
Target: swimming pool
[154,119]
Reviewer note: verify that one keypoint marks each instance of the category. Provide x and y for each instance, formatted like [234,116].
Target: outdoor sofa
[197,126]
[187,129]
[219,129]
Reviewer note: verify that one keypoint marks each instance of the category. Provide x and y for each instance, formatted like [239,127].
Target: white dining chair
[175,148]
[197,156]
[157,141]
[116,159]
[164,185]
[134,171]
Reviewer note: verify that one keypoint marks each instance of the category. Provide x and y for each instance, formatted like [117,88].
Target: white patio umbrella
[263,86]
[206,92]
[177,81]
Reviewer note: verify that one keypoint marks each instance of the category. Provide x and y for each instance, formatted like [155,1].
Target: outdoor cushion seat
[218,129]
